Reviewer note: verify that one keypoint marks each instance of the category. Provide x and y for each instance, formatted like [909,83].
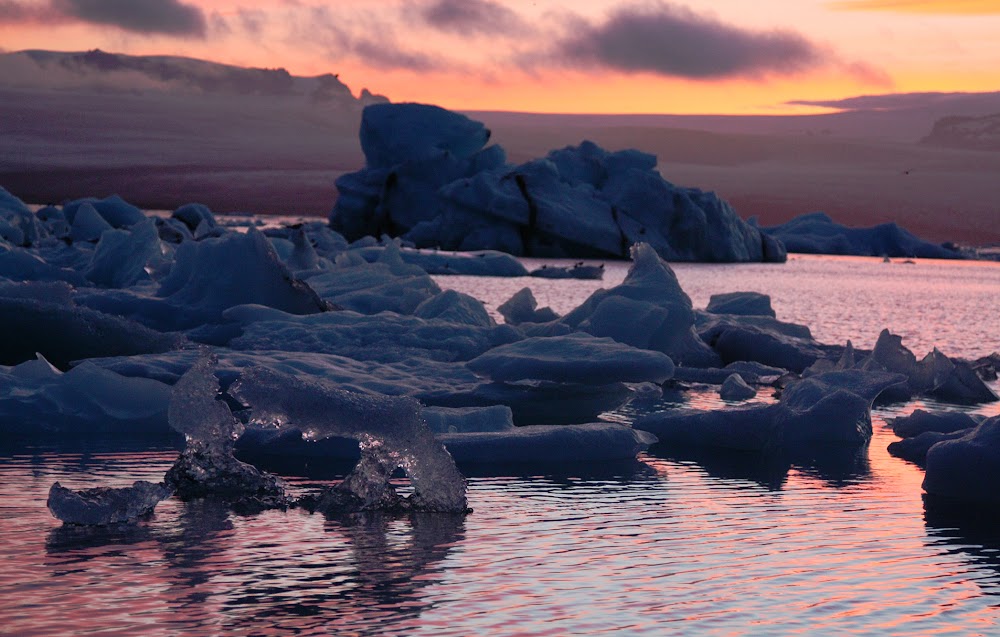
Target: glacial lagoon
[676,543]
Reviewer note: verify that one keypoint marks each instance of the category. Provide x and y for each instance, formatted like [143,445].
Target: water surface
[674,544]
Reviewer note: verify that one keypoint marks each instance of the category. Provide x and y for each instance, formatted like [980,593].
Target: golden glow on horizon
[956,7]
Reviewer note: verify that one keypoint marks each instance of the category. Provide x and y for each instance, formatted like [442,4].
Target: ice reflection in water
[679,544]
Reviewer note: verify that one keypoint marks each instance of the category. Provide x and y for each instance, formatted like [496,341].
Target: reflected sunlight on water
[679,543]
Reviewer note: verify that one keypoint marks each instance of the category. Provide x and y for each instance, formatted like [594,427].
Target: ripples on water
[674,544]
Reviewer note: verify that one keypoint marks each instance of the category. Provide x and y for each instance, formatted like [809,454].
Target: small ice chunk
[469,419]
[521,308]
[741,303]
[915,449]
[921,421]
[646,393]
[734,388]
[103,506]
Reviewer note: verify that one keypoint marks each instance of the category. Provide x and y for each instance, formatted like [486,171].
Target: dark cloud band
[151,17]
[670,40]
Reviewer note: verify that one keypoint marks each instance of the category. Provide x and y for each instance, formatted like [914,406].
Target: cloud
[149,17]
[945,7]
[670,40]
[339,35]
[12,12]
[472,17]
[169,17]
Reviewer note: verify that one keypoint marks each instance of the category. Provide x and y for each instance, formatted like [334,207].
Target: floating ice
[825,409]
[103,506]
[468,263]
[461,420]
[522,308]
[966,468]
[734,388]
[207,467]
[575,358]
[441,187]
[921,421]
[113,210]
[660,313]
[123,257]
[817,233]
[38,400]
[539,445]
[390,431]
[741,303]
[460,331]
[935,375]
[64,333]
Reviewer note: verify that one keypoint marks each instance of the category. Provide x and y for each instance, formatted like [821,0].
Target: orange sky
[698,56]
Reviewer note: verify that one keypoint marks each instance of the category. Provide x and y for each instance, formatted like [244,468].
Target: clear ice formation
[207,466]
[817,233]
[430,178]
[390,431]
[103,506]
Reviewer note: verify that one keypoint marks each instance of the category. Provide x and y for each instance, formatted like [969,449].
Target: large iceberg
[430,178]
[818,233]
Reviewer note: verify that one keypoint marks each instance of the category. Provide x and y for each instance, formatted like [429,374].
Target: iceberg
[575,358]
[430,178]
[832,409]
[660,314]
[818,233]
[966,468]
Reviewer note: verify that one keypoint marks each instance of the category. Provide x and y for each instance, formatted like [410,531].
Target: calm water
[669,545]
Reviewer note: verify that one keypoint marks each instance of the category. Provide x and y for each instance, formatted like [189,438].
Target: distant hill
[974,133]
[104,71]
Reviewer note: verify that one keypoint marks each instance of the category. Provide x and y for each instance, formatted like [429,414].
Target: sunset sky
[696,56]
